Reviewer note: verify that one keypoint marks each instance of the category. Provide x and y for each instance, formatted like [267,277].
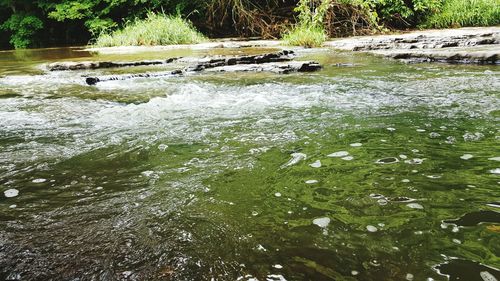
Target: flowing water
[370,169]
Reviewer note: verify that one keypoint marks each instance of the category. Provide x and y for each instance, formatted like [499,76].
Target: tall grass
[457,13]
[310,30]
[305,36]
[156,29]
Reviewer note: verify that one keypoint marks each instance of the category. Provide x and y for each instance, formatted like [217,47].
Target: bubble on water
[409,277]
[455,229]
[391,129]
[402,156]
[277,194]
[420,130]
[414,161]
[322,222]
[99,188]
[316,164]
[383,140]
[381,224]
[467,156]
[486,276]
[371,228]
[456,241]
[494,158]
[347,158]
[9,193]
[388,160]
[495,171]
[296,158]
[13,206]
[376,195]
[311,181]
[354,273]
[339,154]
[356,144]
[418,232]
[414,206]
[414,171]
[162,147]
[405,180]
[382,202]
[39,180]
[434,176]
[254,213]
[434,135]
[278,266]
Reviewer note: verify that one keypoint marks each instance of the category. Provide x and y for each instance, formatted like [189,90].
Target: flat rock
[463,45]
[70,65]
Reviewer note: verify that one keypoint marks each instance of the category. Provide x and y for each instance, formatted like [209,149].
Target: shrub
[156,29]
[24,28]
[457,13]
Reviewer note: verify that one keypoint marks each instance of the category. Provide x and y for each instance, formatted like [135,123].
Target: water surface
[370,169]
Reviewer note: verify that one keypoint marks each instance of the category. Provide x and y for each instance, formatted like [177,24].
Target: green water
[233,176]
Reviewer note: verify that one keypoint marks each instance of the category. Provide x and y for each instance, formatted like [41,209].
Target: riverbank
[463,45]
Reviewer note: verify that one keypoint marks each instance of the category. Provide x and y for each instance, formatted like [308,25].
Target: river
[355,172]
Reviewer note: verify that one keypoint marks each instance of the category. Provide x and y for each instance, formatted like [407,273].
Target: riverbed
[360,171]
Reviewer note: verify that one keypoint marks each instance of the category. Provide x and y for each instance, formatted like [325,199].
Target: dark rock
[279,62]
[62,66]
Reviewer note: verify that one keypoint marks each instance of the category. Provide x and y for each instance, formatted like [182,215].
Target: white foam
[39,180]
[322,222]
[467,156]
[339,154]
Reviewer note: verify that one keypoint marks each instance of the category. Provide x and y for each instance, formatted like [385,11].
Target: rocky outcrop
[70,65]
[464,45]
[280,62]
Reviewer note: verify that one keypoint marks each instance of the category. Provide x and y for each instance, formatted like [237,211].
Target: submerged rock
[475,218]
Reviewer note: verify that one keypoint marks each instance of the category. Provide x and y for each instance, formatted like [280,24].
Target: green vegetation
[41,23]
[310,30]
[457,13]
[156,29]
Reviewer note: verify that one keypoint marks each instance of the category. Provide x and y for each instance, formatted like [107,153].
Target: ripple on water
[459,269]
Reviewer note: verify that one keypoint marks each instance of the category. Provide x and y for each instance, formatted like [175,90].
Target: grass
[457,13]
[156,29]
[306,36]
